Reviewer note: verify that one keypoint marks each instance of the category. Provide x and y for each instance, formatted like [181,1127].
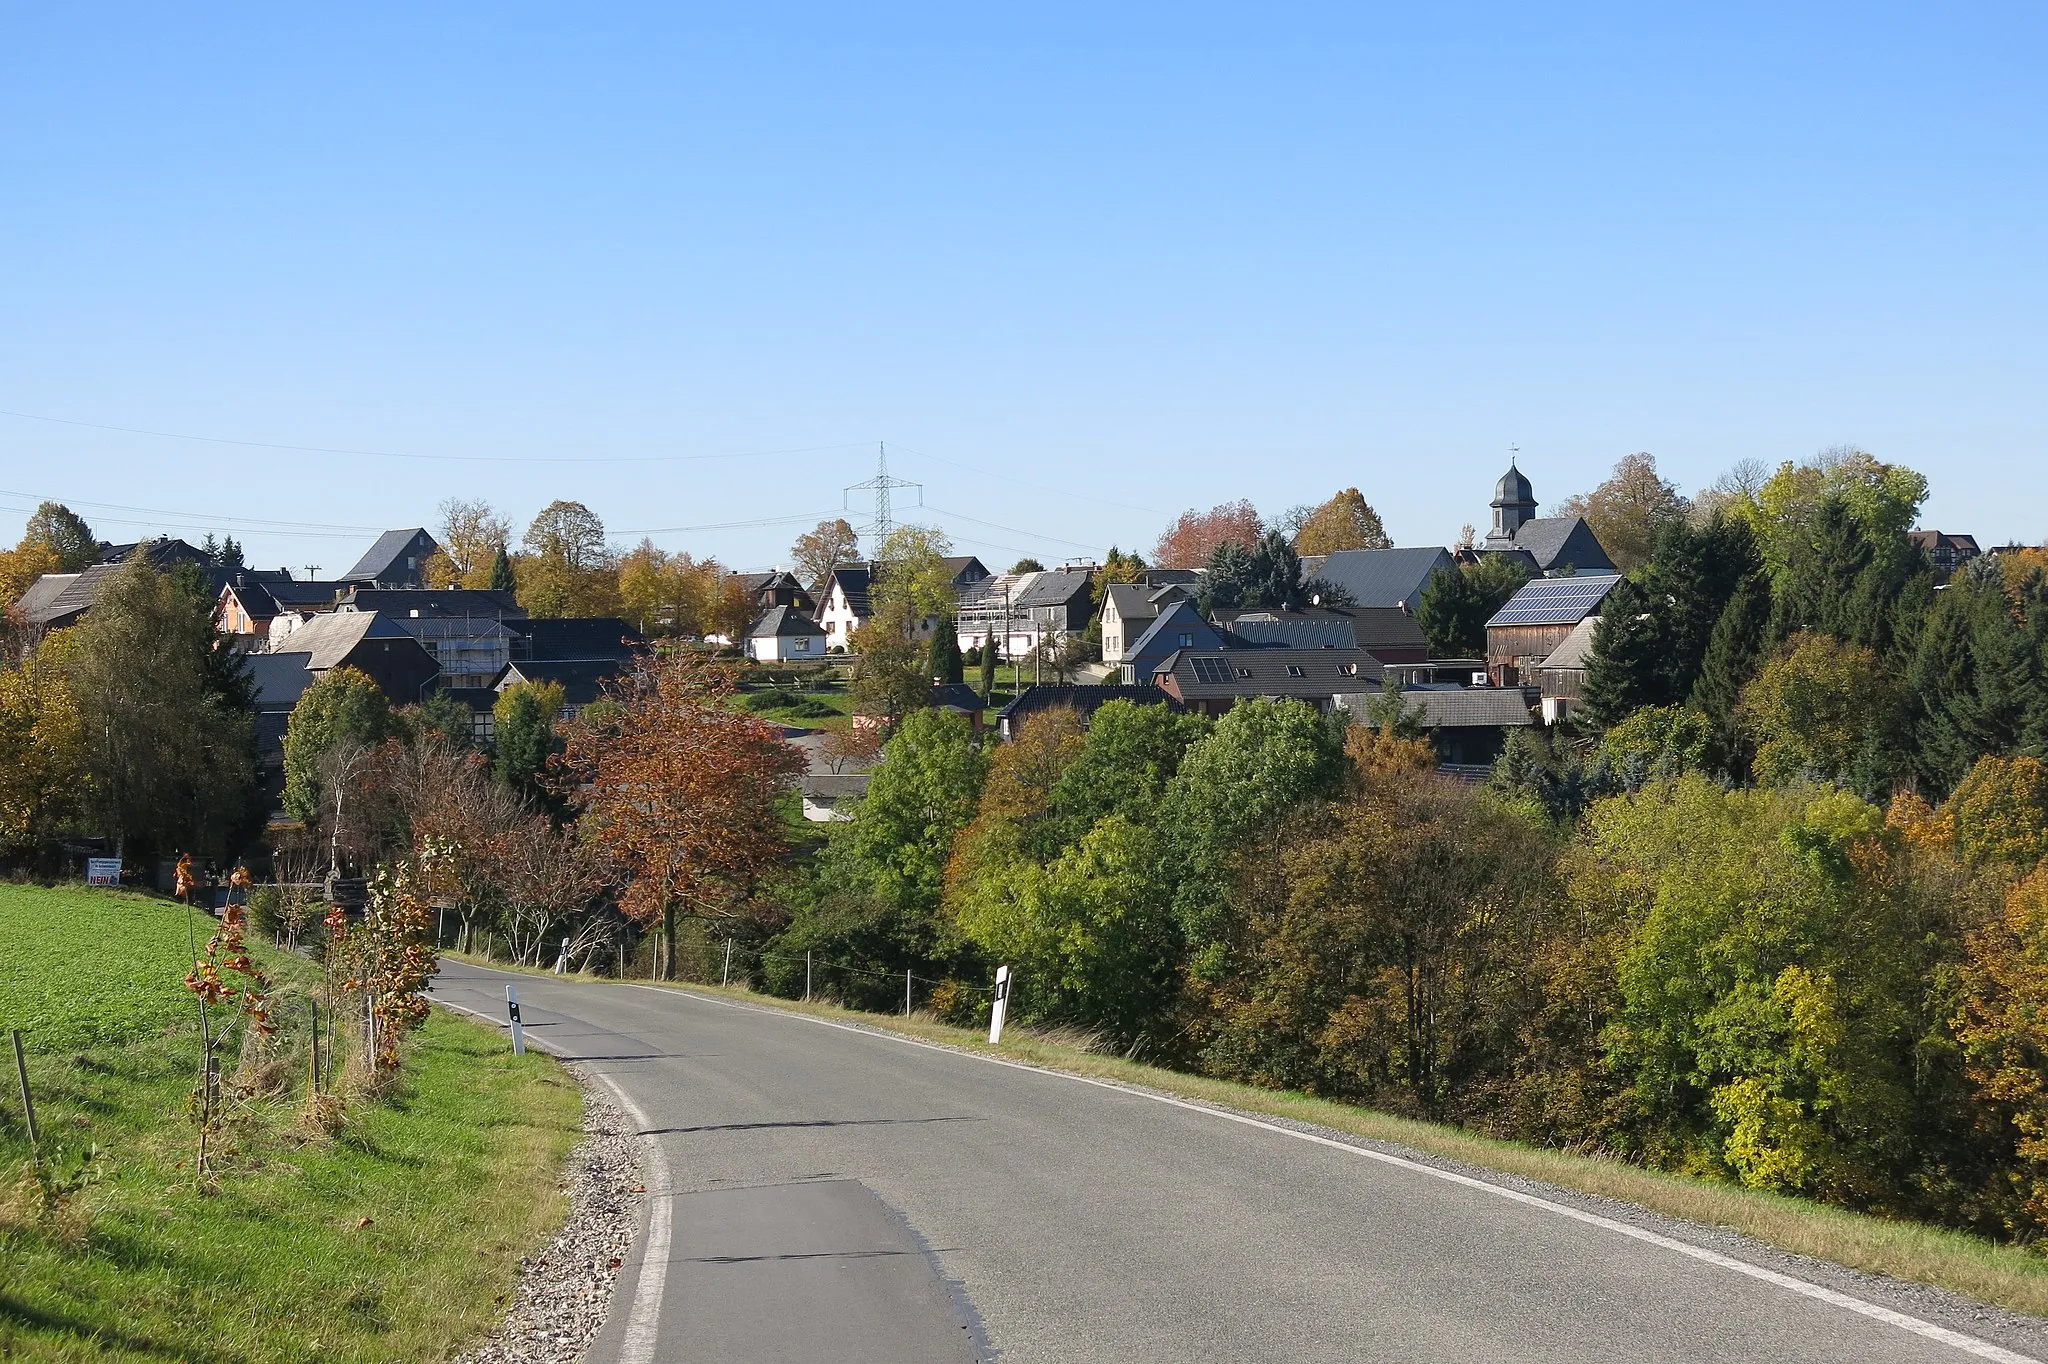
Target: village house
[370,643]
[1179,626]
[1945,551]
[846,600]
[1023,611]
[785,634]
[1128,610]
[397,559]
[1083,700]
[468,631]
[583,655]
[252,601]
[772,589]
[1525,632]
[1211,681]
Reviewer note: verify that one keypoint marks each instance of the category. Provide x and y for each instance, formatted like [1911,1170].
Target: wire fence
[816,972]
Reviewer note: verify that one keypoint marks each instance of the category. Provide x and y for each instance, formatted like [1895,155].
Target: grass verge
[396,1236]
[2002,1275]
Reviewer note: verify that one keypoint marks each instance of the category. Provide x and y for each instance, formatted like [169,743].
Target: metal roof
[1384,577]
[1556,601]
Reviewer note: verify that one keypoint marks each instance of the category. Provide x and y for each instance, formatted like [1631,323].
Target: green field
[395,1237]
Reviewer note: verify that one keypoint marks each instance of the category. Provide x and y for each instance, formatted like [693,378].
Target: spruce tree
[1627,668]
[1734,651]
[502,578]
[944,661]
[1940,690]
[1822,573]
[990,651]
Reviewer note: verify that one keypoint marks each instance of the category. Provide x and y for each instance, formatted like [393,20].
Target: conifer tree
[1734,651]
[945,663]
[502,578]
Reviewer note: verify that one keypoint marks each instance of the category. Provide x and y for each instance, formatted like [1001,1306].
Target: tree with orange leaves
[1191,539]
[679,790]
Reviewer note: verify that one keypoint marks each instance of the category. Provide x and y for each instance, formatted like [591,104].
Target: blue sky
[1080,270]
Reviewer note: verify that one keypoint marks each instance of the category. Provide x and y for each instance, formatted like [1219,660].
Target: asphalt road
[827,1194]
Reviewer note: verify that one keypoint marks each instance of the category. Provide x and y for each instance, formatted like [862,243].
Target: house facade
[1211,681]
[784,635]
[1525,632]
[846,600]
[397,559]
[1128,610]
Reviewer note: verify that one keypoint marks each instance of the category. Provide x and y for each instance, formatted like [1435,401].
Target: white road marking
[643,1319]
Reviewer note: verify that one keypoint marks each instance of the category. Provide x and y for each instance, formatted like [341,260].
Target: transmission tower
[881,485]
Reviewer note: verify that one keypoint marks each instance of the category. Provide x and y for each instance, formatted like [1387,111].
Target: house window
[1187,639]
[1244,672]
[803,646]
[1347,670]
[1296,670]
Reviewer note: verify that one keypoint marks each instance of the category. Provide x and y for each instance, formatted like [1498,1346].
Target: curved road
[827,1193]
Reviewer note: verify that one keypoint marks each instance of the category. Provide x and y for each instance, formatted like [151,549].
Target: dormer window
[1296,670]
[1347,670]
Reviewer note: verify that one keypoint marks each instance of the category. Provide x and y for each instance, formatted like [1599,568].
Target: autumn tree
[567,570]
[42,751]
[1192,539]
[1346,521]
[679,791]
[1629,509]
[470,535]
[660,591]
[822,548]
[1821,709]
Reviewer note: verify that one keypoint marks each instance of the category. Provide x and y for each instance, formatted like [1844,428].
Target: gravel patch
[565,1291]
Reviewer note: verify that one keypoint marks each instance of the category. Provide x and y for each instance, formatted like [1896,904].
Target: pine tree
[1818,589]
[1627,669]
[1940,686]
[502,579]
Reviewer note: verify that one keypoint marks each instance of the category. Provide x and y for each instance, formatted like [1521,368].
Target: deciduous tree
[64,533]
[822,548]
[680,791]
[1346,521]
[1630,509]
[1192,539]
[470,535]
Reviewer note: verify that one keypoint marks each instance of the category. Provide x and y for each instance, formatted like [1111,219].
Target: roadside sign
[103,871]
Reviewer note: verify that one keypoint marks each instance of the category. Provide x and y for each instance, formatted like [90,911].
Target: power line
[403,454]
[1036,487]
[881,485]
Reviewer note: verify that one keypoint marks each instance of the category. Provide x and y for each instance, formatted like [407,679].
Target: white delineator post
[518,1030]
[1000,1007]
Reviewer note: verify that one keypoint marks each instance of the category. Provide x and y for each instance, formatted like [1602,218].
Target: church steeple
[1514,504]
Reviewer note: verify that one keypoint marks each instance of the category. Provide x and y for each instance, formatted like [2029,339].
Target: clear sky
[1080,266]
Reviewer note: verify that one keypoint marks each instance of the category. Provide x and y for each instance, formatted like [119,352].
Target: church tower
[1514,505]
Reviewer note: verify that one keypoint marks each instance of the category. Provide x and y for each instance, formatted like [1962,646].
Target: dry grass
[2003,1275]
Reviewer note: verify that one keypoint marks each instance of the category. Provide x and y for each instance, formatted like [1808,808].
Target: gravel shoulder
[565,1291]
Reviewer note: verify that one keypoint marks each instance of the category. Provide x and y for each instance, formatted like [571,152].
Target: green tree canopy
[64,533]
[341,712]
[523,733]
[1458,602]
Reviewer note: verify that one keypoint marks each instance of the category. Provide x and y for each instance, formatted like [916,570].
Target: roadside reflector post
[906,994]
[725,976]
[807,977]
[1000,1007]
[562,962]
[518,1029]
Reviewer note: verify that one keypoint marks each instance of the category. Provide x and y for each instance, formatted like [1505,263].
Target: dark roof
[436,603]
[1561,541]
[581,680]
[1385,577]
[1514,490]
[1266,632]
[1084,699]
[957,696]
[288,594]
[1556,601]
[1931,540]
[966,569]
[376,565]
[1471,707]
[1178,617]
[1215,674]
[1132,600]
[856,581]
[783,620]
[563,639]
[1162,577]
[1053,587]
[35,602]
[281,678]
[476,698]
[1364,627]
[72,600]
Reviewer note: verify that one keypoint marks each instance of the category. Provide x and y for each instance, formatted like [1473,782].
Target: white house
[785,635]
[846,601]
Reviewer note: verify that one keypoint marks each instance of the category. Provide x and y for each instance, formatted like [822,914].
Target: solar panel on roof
[1211,670]
[1555,601]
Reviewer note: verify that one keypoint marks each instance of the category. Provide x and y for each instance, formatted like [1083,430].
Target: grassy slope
[2006,1276]
[457,1172]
